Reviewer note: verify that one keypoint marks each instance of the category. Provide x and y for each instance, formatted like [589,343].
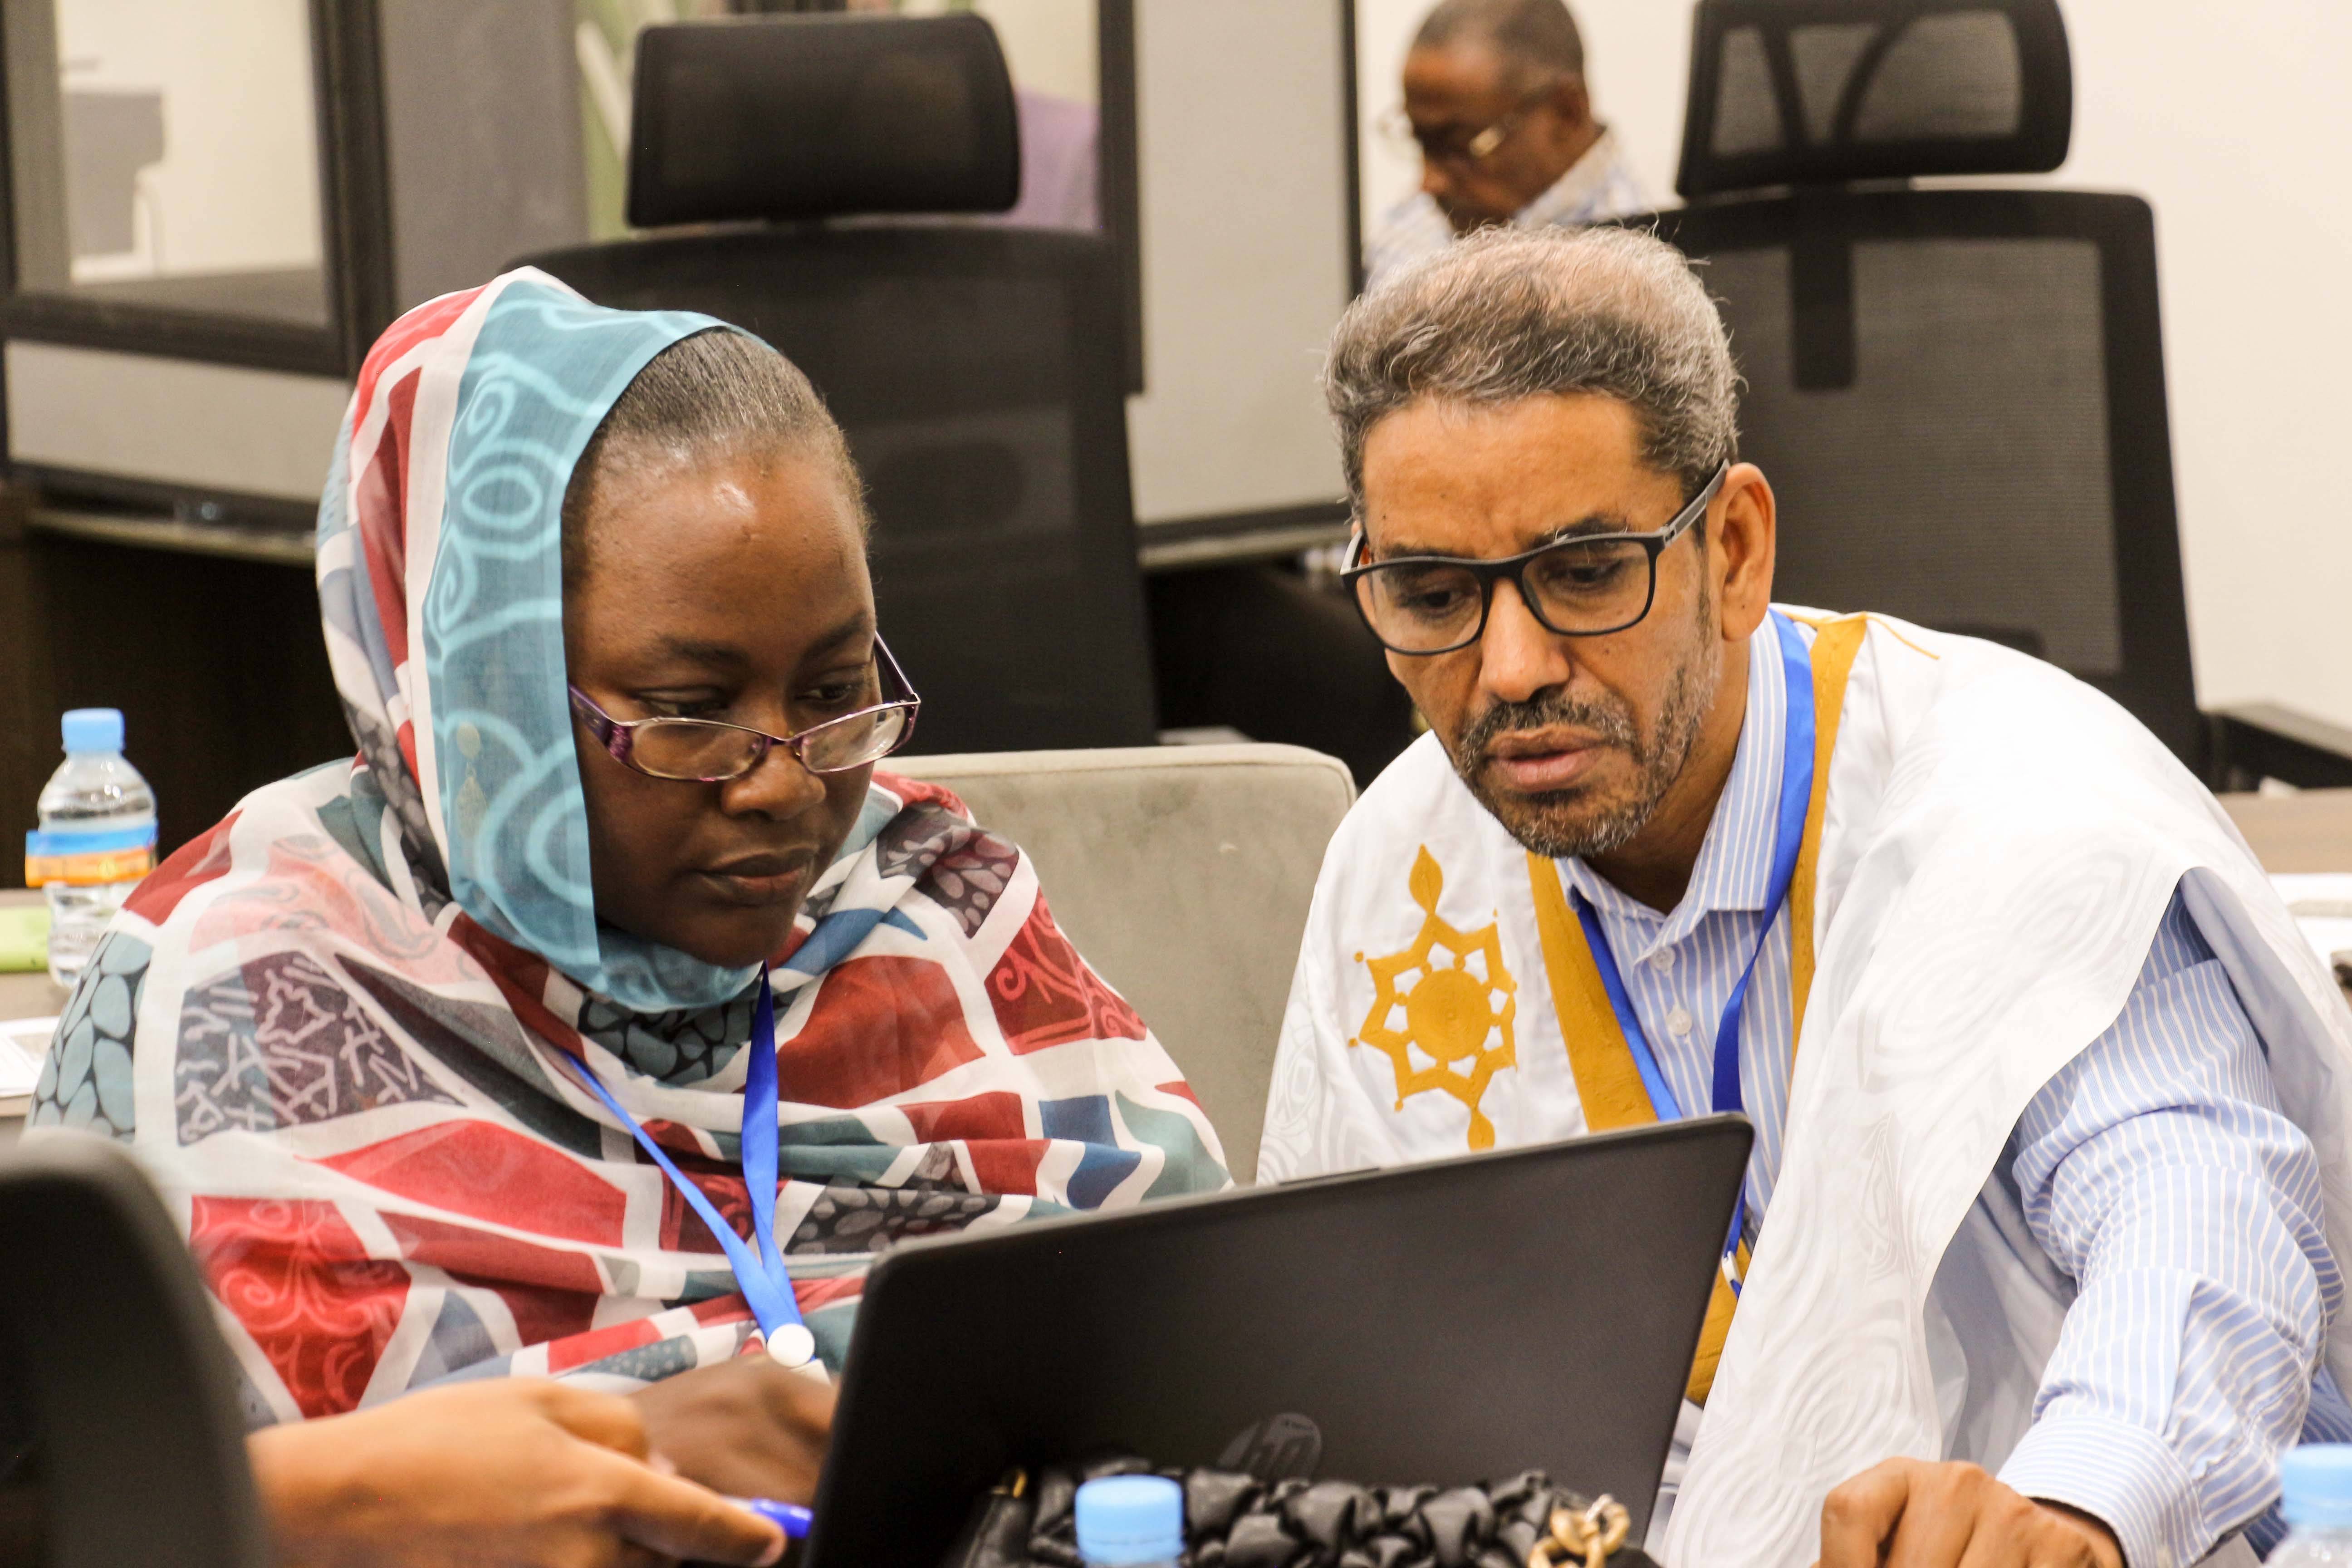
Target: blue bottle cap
[1126,1519]
[789,1517]
[2317,1481]
[92,730]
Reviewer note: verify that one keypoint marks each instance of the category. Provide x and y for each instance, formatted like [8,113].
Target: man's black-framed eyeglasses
[1586,586]
[710,751]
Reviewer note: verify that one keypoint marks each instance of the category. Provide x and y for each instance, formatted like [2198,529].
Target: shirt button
[1678,1022]
[1663,960]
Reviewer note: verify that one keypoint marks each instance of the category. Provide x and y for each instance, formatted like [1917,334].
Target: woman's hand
[747,1427]
[512,1472]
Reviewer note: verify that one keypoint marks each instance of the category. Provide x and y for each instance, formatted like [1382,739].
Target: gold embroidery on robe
[1457,1002]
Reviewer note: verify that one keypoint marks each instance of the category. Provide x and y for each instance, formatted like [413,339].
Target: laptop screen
[21,1504]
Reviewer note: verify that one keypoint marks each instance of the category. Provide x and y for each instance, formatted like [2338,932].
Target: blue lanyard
[1787,839]
[766,1285]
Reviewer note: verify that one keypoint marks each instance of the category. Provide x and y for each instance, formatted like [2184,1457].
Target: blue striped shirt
[2155,1170]
[1598,186]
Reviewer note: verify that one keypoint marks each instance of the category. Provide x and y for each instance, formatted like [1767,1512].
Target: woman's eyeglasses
[709,751]
[1583,586]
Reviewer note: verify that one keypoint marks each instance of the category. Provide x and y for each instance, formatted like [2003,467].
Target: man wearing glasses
[1496,106]
[2037,1258]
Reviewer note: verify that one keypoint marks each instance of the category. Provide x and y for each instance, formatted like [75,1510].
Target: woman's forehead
[706,511]
[741,561]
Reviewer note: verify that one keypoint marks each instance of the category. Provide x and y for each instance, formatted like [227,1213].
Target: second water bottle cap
[91,730]
[1130,1519]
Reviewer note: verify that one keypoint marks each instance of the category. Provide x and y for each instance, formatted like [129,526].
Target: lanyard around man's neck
[1621,1086]
[1788,837]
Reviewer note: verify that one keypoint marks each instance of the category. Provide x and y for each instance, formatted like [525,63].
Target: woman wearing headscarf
[440,1055]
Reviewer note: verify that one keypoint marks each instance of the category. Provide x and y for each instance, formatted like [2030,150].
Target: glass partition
[1052,50]
[1073,68]
[166,154]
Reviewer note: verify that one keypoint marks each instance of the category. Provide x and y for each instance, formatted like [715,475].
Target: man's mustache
[1608,724]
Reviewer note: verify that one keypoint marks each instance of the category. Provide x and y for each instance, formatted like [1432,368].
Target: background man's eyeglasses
[709,751]
[1459,146]
[1578,587]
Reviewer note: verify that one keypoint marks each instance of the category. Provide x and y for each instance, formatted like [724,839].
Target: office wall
[1245,263]
[2227,117]
[1049,44]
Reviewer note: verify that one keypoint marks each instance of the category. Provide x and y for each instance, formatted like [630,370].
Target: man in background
[1495,101]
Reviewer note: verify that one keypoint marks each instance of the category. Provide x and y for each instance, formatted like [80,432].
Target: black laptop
[120,1435]
[1450,1322]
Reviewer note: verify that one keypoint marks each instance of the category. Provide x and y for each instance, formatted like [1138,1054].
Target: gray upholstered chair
[1184,873]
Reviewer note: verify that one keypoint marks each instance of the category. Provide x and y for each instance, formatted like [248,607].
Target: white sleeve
[1320,1118]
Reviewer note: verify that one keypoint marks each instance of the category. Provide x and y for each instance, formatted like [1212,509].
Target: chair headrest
[816,115]
[1798,92]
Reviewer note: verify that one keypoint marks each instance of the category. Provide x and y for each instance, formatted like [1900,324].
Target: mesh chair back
[977,370]
[1958,397]
[120,1380]
[785,117]
[1794,92]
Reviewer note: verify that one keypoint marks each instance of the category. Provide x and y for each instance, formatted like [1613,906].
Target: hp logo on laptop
[1275,1448]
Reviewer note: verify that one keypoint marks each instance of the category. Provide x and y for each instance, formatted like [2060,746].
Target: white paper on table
[23,1043]
[2321,902]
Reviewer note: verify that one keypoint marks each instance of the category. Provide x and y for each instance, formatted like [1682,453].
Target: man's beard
[1574,822]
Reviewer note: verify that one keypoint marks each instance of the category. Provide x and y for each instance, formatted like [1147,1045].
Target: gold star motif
[1456,1015]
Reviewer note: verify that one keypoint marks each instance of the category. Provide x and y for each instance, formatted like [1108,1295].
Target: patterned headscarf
[440,577]
[345,1029]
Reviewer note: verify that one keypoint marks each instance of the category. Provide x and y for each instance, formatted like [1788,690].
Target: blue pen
[790,1517]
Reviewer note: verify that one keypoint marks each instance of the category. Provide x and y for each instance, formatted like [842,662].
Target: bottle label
[89,858]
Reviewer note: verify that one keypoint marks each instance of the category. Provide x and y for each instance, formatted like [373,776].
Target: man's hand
[747,1427]
[1907,1513]
[503,1473]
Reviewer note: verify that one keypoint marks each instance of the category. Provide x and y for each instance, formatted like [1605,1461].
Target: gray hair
[720,393]
[1508,315]
[1535,39]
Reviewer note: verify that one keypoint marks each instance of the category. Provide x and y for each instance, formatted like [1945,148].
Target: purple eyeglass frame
[617,736]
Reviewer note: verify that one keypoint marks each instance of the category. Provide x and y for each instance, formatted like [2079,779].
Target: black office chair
[119,1441]
[976,369]
[1958,393]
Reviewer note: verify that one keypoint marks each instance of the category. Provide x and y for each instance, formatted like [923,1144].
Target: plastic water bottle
[2317,1480]
[97,838]
[1130,1521]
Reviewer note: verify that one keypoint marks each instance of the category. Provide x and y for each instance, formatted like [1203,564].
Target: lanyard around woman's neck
[761,1274]
[1789,833]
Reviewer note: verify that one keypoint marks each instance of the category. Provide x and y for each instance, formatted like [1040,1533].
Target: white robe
[1998,844]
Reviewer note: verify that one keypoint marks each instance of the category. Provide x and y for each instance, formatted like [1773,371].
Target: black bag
[1234,1520]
